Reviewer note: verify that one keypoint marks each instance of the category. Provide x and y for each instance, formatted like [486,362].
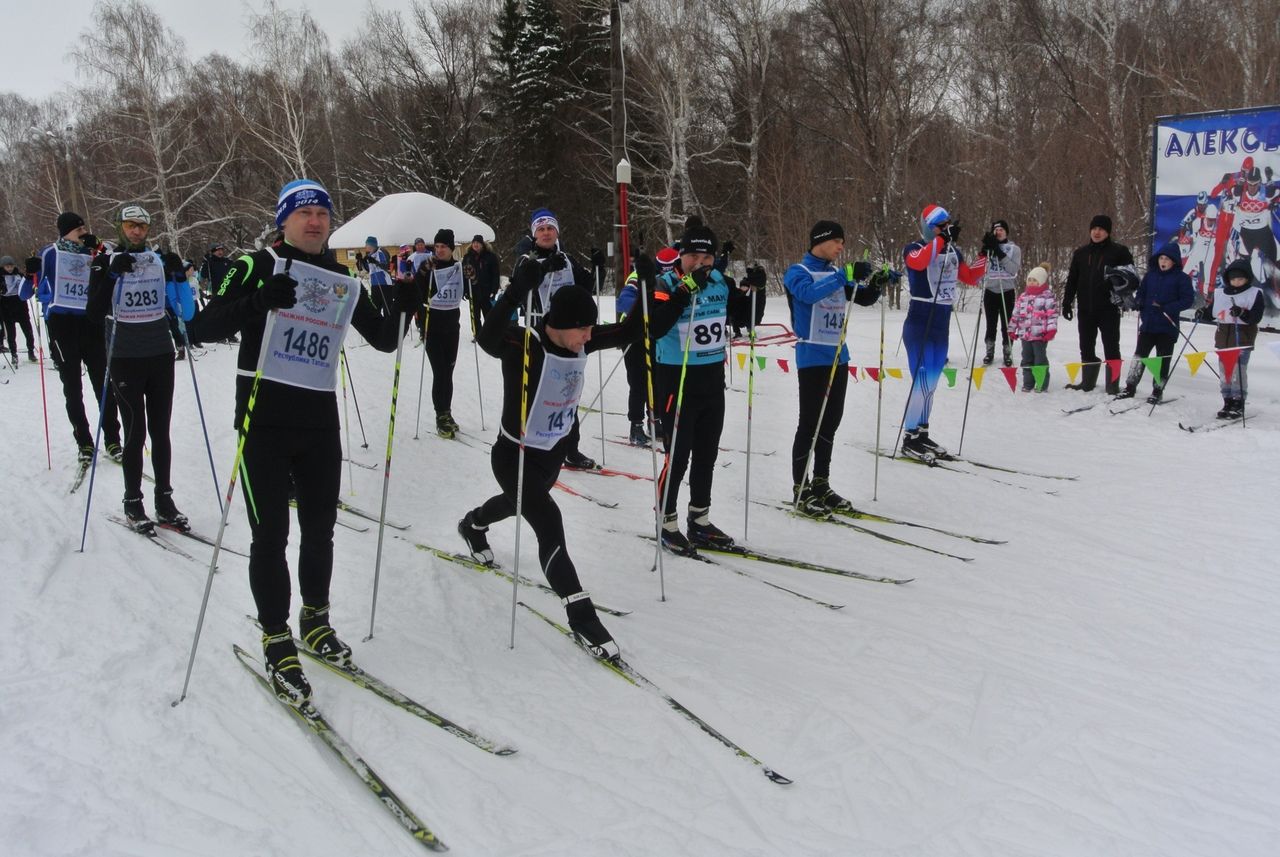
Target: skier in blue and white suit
[935,266]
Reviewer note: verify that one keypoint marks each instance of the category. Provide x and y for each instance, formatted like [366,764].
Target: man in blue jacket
[820,293]
[1165,293]
[73,340]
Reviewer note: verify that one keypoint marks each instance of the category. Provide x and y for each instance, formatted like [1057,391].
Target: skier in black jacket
[1086,279]
[305,300]
[558,347]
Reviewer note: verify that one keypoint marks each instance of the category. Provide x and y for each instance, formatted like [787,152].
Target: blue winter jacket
[1164,293]
[806,291]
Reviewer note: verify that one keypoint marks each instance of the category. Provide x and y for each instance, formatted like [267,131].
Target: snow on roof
[399,218]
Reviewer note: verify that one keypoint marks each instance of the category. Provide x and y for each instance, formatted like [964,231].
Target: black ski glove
[33,265]
[696,280]
[554,262]
[276,293]
[646,269]
[1237,311]
[952,233]
[727,248]
[990,245]
[867,295]
[756,278]
[408,296]
[122,264]
[1067,312]
[173,267]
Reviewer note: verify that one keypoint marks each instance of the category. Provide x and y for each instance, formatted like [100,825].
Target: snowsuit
[548,417]
[934,267]
[1162,296]
[142,360]
[1096,313]
[1035,322]
[1237,331]
[292,447]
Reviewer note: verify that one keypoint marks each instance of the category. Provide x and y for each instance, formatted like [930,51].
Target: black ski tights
[442,352]
[541,470]
[813,386]
[144,394]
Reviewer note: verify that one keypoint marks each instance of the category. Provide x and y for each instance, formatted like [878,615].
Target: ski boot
[1236,411]
[807,502]
[1008,355]
[990,355]
[31,355]
[1113,388]
[912,447]
[587,628]
[674,540]
[167,513]
[830,500]
[1225,413]
[1157,393]
[319,637]
[445,426]
[703,533]
[474,536]
[575,460]
[136,516]
[85,454]
[638,435]
[182,353]
[114,451]
[937,451]
[1127,393]
[284,670]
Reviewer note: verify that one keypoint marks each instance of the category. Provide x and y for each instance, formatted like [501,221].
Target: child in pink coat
[1035,322]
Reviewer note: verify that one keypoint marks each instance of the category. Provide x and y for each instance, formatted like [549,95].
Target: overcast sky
[39,34]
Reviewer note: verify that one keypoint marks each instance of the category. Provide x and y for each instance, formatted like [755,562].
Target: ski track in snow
[1103,684]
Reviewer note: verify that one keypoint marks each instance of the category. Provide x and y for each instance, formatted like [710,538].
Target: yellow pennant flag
[1194,359]
[978,372]
[742,360]
[1073,369]
[894,373]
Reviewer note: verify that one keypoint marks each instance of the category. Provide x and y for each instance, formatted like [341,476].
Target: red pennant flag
[1113,369]
[873,373]
[853,372]
[782,364]
[1229,358]
[1011,375]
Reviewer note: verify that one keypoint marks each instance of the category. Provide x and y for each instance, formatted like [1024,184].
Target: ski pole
[524,419]
[826,395]
[875,478]
[751,390]
[1174,365]
[236,466]
[346,420]
[644,288]
[1241,369]
[1187,339]
[973,357]
[191,364]
[475,350]
[44,400]
[102,406]
[600,372]
[422,371]
[675,422]
[355,399]
[386,471]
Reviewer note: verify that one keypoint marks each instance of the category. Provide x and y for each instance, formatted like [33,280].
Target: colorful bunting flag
[742,360]
[1113,368]
[761,362]
[873,373]
[894,373]
[949,372]
[1152,364]
[782,364]
[1011,375]
[1229,358]
[1194,359]
[1073,369]
[978,372]
[853,372]
[1041,376]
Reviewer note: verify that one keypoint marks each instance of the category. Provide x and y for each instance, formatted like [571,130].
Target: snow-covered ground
[1104,684]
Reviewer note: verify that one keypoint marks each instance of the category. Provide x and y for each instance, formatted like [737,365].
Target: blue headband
[299,193]
[543,217]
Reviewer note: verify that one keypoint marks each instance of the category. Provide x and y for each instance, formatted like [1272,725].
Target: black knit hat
[67,221]
[1002,224]
[698,238]
[444,236]
[824,230]
[1101,221]
[571,307]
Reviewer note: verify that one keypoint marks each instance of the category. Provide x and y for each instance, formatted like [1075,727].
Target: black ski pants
[637,382]
[279,461]
[14,314]
[74,341]
[813,387]
[997,306]
[1090,325]
[442,352]
[1163,344]
[701,421]
[143,387]
[541,470]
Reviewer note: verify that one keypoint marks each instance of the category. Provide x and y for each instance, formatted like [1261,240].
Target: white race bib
[826,318]
[140,293]
[448,288]
[709,333]
[556,400]
[71,283]
[12,283]
[304,340]
[552,283]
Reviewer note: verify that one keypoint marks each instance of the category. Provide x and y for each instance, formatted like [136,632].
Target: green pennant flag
[950,372]
[1041,374]
[1152,364]
[761,361]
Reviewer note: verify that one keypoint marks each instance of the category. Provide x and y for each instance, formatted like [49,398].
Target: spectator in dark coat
[480,268]
[1087,281]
